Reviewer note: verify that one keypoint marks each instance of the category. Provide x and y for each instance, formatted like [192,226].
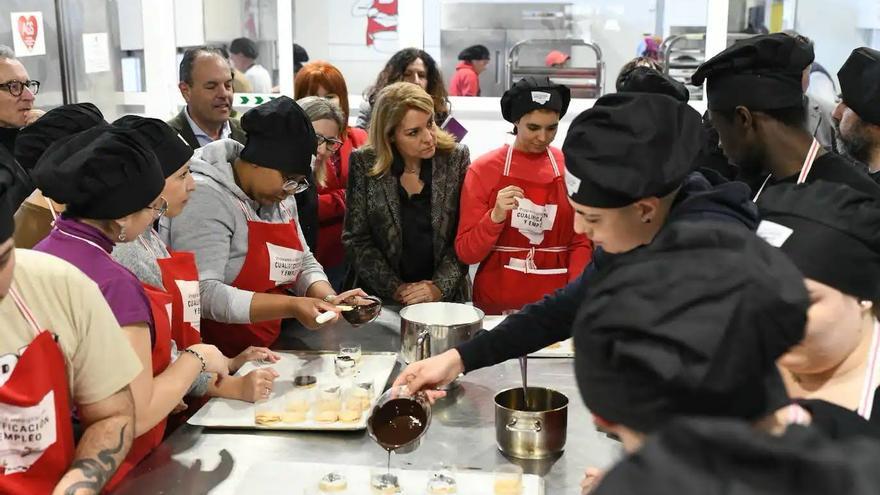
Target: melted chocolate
[360,314]
[397,423]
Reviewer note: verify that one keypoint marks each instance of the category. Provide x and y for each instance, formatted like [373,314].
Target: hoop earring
[121,235]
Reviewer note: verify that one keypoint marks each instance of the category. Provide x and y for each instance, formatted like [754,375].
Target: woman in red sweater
[472,61]
[516,221]
[324,80]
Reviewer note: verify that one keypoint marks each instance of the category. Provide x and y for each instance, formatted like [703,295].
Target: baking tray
[374,367]
[564,349]
[285,478]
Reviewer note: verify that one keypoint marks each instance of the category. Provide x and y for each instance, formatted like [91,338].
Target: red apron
[530,258]
[36,446]
[273,263]
[180,278]
[161,307]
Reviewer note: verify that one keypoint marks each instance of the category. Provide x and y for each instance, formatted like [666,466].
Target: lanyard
[805,168]
[870,383]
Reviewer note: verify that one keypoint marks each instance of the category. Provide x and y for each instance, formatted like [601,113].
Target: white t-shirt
[260,79]
[100,360]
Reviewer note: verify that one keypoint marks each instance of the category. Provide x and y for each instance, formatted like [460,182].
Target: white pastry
[333,483]
[326,416]
[267,418]
[298,405]
[350,415]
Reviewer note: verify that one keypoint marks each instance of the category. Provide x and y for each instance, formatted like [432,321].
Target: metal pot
[536,433]
[429,329]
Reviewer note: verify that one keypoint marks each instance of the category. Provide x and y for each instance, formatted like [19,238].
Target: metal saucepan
[429,329]
[536,432]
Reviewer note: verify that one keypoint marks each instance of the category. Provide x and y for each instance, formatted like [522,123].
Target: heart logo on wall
[27,29]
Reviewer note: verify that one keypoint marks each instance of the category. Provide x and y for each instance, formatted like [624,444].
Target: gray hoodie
[214,228]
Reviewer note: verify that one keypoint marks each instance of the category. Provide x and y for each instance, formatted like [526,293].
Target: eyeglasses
[293,186]
[160,210]
[333,144]
[16,88]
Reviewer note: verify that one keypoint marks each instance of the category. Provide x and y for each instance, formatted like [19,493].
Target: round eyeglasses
[16,88]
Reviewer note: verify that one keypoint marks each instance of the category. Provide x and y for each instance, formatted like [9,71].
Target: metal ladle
[523,367]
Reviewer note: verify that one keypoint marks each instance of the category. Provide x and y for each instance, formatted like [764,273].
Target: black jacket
[23,186]
[704,196]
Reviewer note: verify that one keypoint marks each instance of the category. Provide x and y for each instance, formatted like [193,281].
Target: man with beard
[857,116]
[756,103]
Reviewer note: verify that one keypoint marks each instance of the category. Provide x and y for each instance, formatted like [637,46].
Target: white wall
[832,30]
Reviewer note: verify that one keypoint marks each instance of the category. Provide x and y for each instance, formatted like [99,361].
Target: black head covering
[630,146]
[101,173]
[534,93]
[642,79]
[761,73]
[170,149]
[831,232]
[57,123]
[300,57]
[700,456]
[860,84]
[474,52]
[279,136]
[691,324]
[7,191]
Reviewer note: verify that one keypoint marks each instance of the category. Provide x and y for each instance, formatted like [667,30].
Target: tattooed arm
[109,430]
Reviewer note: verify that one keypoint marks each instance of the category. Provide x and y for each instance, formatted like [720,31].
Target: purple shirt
[121,289]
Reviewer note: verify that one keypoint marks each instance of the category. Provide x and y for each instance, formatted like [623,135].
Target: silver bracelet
[199,357]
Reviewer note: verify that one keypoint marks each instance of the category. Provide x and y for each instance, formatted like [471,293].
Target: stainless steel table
[196,460]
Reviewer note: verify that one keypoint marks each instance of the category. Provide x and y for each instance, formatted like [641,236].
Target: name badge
[533,220]
[192,302]
[25,433]
[774,233]
[285,264]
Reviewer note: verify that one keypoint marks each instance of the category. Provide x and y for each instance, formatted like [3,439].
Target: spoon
[523,366]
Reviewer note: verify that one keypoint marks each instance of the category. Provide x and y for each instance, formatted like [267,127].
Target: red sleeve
[331,204]
[477,233]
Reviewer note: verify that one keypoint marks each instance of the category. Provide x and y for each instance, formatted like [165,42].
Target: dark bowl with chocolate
[364,309]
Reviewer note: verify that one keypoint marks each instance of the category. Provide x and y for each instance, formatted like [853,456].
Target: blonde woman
[403,203]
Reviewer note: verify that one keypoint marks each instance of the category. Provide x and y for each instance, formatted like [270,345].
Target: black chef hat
[170,149]
[691,324]
[101,173]
[474,52]
[534,93]
[860,84]
[641,79]
[831,232]
[699,456]
[630,146]
[57,123]
[279,136]
[7,223]
[761,73]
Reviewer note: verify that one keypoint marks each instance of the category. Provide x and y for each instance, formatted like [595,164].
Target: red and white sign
[28,33]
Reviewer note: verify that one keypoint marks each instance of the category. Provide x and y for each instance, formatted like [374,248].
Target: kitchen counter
[196,460]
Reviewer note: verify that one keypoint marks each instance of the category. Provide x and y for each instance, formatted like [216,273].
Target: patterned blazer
[372,231]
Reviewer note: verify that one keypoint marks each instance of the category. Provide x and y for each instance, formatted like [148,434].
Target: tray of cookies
[314,391]
[277,478]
